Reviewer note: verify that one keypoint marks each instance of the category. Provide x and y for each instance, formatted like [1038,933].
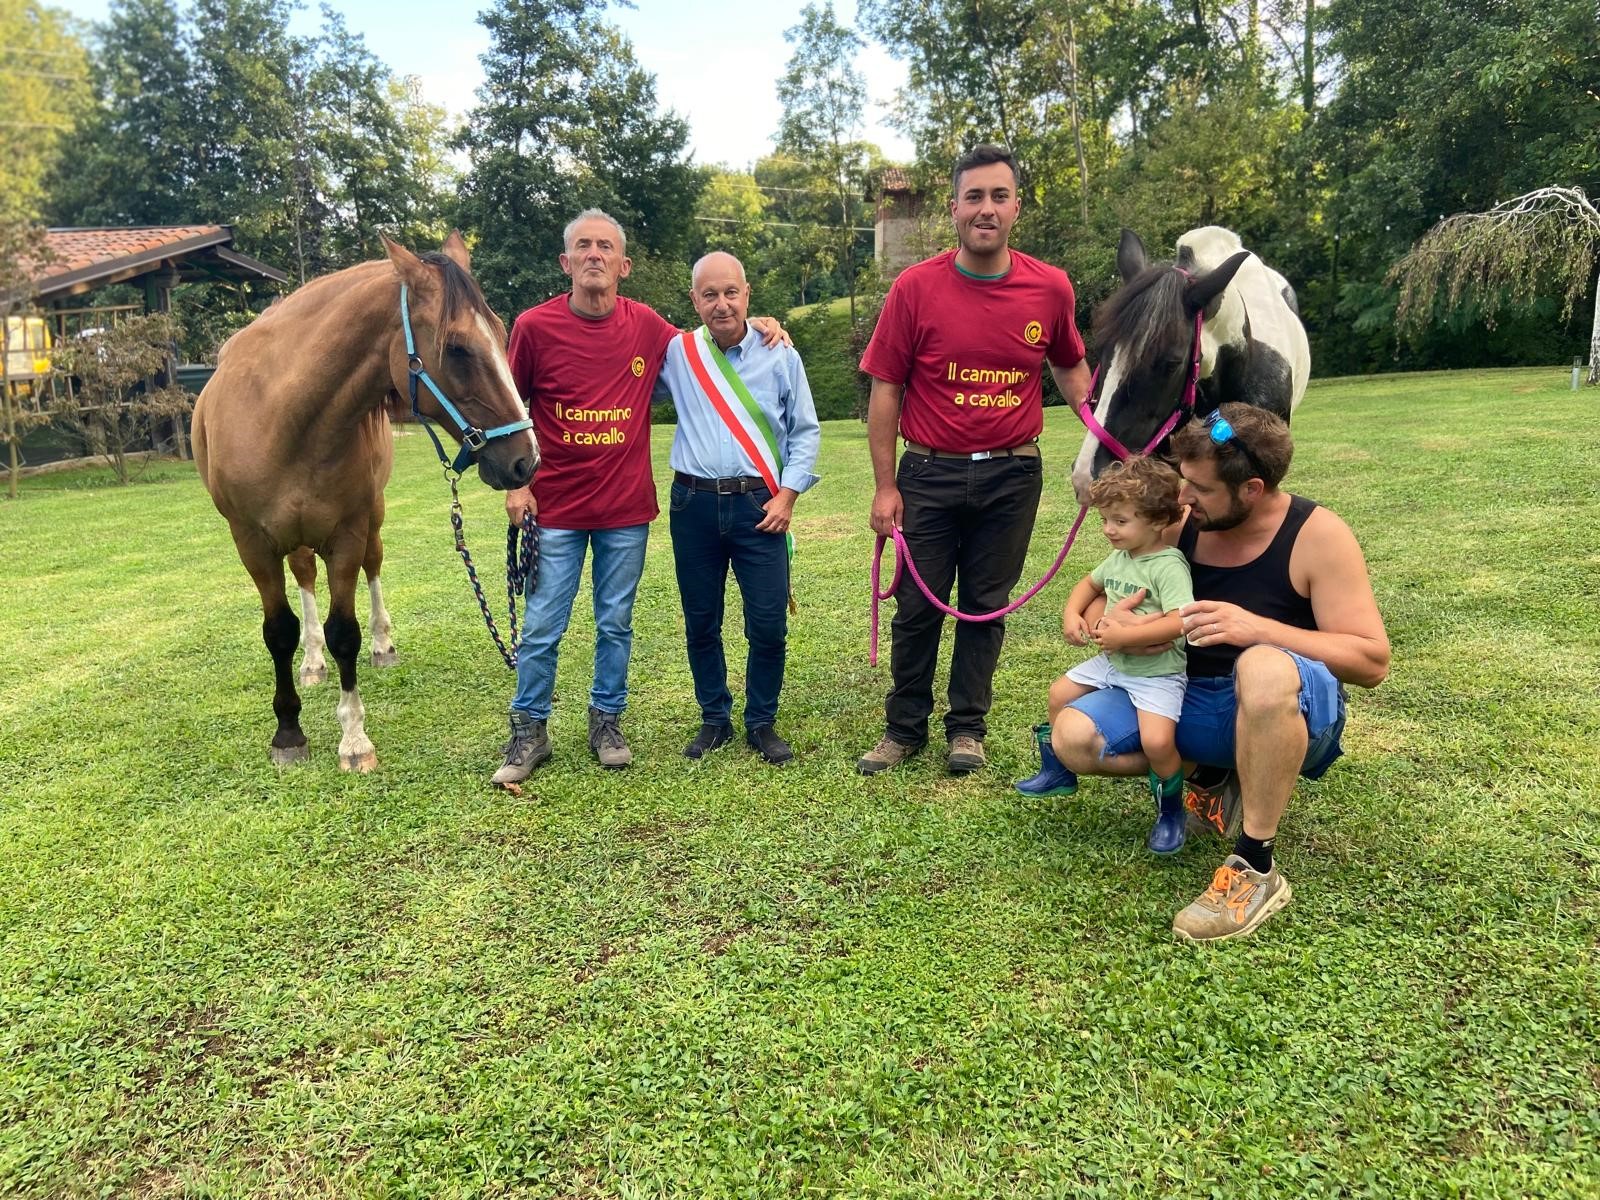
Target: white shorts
[1158,694]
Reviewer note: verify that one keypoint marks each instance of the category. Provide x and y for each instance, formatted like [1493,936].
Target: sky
[718,73]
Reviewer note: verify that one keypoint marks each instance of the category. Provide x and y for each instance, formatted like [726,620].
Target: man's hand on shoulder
[772,331]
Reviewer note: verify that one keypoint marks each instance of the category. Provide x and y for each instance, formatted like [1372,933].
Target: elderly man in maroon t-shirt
[586,364]
[956,365]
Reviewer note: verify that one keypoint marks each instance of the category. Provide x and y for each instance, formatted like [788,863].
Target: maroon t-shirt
[587,383]
[971,352]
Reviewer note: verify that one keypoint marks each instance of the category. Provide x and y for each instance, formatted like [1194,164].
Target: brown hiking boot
[887,753]
[529,746]
[606,740]
[966,755]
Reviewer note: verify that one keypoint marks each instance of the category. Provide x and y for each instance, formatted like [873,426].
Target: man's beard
[1236,516]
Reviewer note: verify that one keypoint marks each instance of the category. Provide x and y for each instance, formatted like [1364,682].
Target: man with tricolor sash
[744,449]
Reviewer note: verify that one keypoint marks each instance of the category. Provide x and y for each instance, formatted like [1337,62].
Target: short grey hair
[594,214]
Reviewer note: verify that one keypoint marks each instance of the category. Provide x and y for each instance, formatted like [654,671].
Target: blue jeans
[618,563]
[710,533]
[1208,726]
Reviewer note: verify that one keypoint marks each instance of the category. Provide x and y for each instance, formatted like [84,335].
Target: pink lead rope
[902,552]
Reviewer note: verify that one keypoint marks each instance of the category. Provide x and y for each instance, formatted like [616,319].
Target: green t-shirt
[1165,575]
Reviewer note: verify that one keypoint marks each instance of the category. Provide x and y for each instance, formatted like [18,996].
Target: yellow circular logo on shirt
[638,367]
[1033,333]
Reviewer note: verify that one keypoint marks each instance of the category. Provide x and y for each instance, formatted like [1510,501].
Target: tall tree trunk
[1069,51]
[11,418]
[1308,81]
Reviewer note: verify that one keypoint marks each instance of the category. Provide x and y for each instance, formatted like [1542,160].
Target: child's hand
[1108,636]
[1076,628]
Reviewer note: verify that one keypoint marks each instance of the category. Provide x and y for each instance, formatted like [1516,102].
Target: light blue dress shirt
[703,446]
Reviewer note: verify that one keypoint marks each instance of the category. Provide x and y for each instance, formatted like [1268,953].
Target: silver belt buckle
[980,455]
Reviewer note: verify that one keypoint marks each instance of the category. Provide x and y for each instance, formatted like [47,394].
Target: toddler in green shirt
[1137,500]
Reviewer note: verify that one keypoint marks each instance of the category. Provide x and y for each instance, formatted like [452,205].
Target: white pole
[1594,337]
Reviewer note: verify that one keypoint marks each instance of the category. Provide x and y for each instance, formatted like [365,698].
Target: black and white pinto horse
[1253,348]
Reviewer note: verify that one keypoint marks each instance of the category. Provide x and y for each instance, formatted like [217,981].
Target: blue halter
[473,439]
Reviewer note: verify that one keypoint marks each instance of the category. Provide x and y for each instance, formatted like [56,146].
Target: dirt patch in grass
[717,944]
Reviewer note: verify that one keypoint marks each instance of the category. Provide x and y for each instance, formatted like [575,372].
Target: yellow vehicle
[27,348]
[26,359]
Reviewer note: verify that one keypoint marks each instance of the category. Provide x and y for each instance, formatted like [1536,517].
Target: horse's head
[1145,335]
[462,346]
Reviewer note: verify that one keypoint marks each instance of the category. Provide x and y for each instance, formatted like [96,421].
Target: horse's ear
[455,249]
[406,264]
[1200,291]
[1131,258]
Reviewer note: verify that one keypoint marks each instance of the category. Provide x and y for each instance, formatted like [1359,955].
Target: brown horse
[292,440]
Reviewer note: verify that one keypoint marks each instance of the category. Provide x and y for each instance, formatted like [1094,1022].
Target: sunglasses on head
[1222,434]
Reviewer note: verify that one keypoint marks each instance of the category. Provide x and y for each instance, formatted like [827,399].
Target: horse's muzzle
[509,463]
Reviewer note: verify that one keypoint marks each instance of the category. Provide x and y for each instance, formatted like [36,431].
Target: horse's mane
[461,290]
[1139,314]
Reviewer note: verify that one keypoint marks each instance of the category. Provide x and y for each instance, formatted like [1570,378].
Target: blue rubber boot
[1172,819]
[1053,779]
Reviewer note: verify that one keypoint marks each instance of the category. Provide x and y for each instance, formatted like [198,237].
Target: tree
[733,212]
[566,119]
[135,155]
[43,85]
[824,98]
[1551,235]
[118,402]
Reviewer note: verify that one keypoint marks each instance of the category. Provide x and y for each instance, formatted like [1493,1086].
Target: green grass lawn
[217,979]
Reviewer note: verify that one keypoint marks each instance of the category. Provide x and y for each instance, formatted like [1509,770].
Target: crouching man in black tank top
[1283,618]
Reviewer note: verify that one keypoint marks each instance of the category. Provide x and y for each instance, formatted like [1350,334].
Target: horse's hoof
[311,676]
[358,762]
[282,756]
[385,658]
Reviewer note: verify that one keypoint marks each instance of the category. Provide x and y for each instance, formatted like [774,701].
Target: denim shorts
[1206,728]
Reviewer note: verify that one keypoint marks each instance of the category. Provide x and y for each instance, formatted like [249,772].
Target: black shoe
[711,737]
[765,741]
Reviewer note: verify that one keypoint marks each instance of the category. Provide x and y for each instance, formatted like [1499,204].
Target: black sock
[1256,852]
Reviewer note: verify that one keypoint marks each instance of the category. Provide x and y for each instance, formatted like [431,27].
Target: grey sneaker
[966,755]
[1214,802]
[606,740]
[1237,901]
[887,753]
[529,746]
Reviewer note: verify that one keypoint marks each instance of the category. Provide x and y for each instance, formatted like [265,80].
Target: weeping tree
[116,401]
[1505,256]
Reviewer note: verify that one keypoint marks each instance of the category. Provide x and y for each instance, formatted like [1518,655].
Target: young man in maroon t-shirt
[956,364]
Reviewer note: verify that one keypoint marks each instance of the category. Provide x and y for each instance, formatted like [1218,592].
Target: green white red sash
[731,400]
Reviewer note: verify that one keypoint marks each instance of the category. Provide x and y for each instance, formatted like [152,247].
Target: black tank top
[1262,586]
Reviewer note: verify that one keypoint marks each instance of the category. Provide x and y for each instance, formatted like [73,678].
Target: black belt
[1026,450]
[730,485]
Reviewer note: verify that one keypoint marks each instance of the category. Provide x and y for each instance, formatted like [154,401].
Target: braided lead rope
[522,569]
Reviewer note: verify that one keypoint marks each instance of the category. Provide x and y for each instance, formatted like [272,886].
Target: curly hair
[1149,485]
[1266,434]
